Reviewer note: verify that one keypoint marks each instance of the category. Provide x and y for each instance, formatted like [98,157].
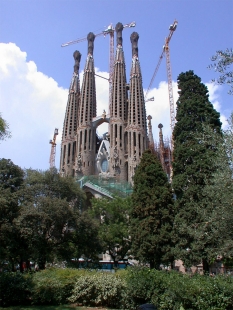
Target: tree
[192,167]
[223,60]
[85,240]
[152,213]
[4,129]
[113,218]
[41,217]
[11,181]
[219,191]
[50,213]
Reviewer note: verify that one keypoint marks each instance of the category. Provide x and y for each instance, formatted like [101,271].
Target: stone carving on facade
[103,159]
[115,158]
[79,162]
[104,114]
[63,171]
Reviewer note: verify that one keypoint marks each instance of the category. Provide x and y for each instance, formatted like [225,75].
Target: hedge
[124,289]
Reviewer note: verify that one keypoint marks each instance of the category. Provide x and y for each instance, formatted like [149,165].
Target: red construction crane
[53,149]
[110,30]
[166,51]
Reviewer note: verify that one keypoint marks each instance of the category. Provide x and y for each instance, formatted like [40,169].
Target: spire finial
[160,126]
[77,57]
[134,40]
[149,117]
[90,39]
[119,27]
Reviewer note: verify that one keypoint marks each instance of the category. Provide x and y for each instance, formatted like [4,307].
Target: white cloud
[33,104]
[159,109]
[215,99]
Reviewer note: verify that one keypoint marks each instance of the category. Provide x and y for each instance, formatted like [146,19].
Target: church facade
[118,152]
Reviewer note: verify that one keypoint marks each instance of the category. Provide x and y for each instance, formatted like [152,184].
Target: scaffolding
[108,186]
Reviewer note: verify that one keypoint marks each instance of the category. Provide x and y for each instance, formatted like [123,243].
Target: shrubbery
[124,289]
[99,289]
[53,286]
[171,290]
[14,288]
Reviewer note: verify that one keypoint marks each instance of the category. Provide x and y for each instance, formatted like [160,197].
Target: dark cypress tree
[192,168]
[152,213]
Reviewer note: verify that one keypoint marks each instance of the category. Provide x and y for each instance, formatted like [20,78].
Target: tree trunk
[12,265]
[21,265]
[41,263]
[206,266]
[28,265]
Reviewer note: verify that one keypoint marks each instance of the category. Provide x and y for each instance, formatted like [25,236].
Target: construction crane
[109,31]
[166,51]
[53,149]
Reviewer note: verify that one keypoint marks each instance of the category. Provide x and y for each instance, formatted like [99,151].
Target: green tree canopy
[113,218]
[45,222]
[223,61]
[4,129]
[192,166]
[11,182]
[219,191]
[152,213]
[50,209]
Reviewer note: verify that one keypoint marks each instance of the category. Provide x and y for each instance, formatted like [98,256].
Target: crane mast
[170,90]
[166,51]
[53,149]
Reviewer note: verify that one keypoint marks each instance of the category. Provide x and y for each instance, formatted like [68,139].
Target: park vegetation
[4,129]
[124,289]
[44,219]
[222,62]
[193,167]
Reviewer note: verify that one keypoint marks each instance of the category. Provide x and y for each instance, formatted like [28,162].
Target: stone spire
[150,134]
[161,146]
[118,112]
[136,128]
[68,144]
[86,133]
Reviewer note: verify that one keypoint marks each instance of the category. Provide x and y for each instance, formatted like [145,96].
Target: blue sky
[35,72]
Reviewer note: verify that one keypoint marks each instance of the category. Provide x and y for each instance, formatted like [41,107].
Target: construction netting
[108,184]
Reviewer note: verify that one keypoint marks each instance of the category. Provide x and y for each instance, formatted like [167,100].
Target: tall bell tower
[70,125]
[136,125]
[86,133]
[118,112]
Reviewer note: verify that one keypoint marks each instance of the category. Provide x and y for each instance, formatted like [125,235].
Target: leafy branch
[222,62]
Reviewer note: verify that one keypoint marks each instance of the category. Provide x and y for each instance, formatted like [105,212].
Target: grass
[65,307]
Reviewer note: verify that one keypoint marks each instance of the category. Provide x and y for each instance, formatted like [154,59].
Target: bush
[124,289]
[99,289]
[53,286]
[14,288]
[171,290]
[143,286]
